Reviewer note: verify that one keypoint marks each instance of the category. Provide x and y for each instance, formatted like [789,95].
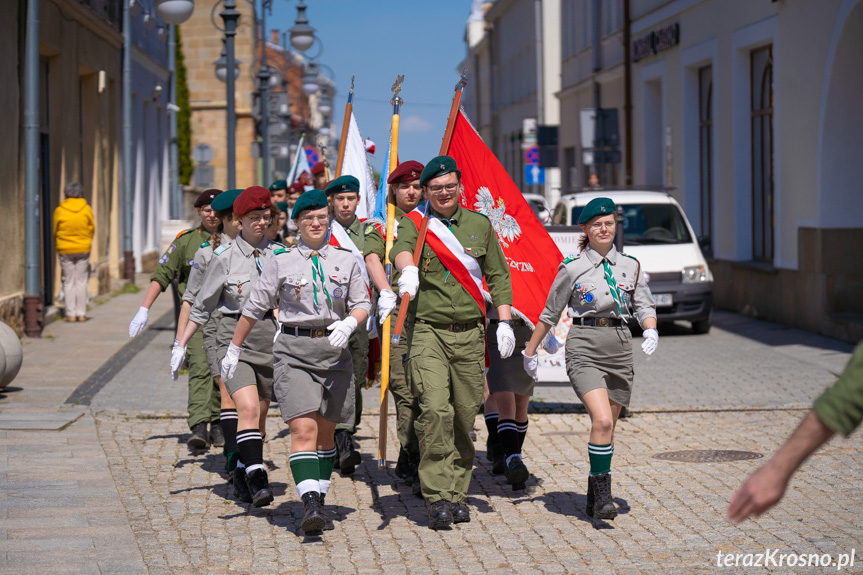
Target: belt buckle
[457,327]
[318,332]
[602,322]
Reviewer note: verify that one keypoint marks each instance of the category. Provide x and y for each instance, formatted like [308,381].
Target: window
[705,139]
[761,106]
[650,224]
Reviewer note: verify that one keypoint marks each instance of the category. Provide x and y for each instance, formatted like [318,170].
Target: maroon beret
[206,197]
[406,172]
[296,187]
[254,198]
[318,168]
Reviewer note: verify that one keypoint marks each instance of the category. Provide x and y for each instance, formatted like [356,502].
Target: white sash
[344,240]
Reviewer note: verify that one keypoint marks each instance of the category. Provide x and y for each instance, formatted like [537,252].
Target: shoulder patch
[629,256]
[184,232]
[570,258]
[205,244]
[281,250]
[277,245]
[220,249]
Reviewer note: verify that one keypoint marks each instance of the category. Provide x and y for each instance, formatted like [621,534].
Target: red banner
[532,255]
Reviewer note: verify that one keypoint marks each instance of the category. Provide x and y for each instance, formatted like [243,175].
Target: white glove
[651,340]
[139,321]
[531,364]
[229,364]
[387,303]
[409,281]
[178,354]
[505,340]
[551,345]
[342,331]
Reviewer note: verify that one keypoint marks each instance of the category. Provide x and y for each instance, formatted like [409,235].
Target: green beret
[596,207]
[279,185]
[439,166]
[311,200]
[283,206]
[343,184]
[225,200]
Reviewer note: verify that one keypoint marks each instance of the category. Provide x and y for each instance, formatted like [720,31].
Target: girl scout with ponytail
[601,289]
[321,298]
[231,275]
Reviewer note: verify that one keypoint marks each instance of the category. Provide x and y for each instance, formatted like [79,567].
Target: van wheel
[703,325]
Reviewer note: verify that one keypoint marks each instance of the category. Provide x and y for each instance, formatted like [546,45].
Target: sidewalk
[60,511]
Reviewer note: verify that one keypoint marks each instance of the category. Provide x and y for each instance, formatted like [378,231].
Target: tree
[184,118]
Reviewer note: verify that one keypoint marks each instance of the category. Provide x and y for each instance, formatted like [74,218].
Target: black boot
[498,463]
[241,488]
[259,487]
[603,506]
[217,438]
[349,457]
[460,513]
[591,498]
[313,520]
[416,486]
[517,473]
[199,437]
[328,520]
[440,516]
[403,467]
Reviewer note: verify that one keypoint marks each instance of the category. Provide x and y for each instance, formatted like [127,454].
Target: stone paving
[110,486]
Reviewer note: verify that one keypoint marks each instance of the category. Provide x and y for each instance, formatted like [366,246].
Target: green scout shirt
[441,299]
[177,260]
[355,232]
[840,407]
[376,243]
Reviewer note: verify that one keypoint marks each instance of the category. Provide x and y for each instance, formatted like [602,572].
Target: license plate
[662,299]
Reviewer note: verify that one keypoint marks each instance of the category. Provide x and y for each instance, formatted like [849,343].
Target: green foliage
[184,118]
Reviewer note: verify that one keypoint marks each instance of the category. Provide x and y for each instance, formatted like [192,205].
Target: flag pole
[418,249]
[345,124]
[324,161]
[396,101]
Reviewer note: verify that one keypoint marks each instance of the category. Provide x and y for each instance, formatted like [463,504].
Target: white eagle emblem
[507,227]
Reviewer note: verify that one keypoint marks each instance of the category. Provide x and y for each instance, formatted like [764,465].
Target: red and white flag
[532,255]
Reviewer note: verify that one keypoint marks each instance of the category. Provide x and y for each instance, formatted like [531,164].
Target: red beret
[318,168]
[406,172]
[254,198]
[206,197]
[296,187]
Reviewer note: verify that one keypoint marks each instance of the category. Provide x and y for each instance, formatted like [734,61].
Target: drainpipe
[598,141]
[32,299]
[176,194]
[627,93]
[128,255]
[540,95]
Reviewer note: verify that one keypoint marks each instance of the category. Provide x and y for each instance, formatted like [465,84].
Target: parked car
[657,233]
[540,207]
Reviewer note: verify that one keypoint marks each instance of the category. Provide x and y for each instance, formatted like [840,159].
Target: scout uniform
[312,288]
[204,399]
[600,294]
[358,345]
[446,346]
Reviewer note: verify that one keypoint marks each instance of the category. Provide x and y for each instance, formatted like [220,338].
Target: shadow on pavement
[573,504]
[774,334]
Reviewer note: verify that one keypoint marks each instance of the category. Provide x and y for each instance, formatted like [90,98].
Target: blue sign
[311,156]
[534,175]
[531,156]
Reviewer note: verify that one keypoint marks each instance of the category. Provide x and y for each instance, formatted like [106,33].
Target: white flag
[356,164]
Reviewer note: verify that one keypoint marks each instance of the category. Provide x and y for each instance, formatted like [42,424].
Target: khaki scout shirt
[177,260]
[199,267]
[441,299]
[581,285]
[840,407]
[376,243]
[287,283]
[230,277]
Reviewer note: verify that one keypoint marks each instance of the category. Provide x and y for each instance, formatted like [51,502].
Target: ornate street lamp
[174,11]
[302,35]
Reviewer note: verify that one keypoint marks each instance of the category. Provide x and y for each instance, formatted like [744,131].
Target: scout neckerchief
[609,277]
[318,277]
[257,253]
[339,237]
[464,267]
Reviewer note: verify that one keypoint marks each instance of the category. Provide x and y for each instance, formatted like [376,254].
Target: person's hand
[229,364]
[341,331]
[409,281]
[505,340]
[760,492]
[386,304]
[178,354]
[531,364]
[139,321]
[551,345]
[651,340]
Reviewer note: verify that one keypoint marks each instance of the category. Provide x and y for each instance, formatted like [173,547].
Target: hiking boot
[241,488]
[328,520]
[599,493]
[198,440]
[217,438]
[460,513]
[259,487]
[516,472]
[403,467]
[349,457]
[313,520]
[440,516]
[498,464]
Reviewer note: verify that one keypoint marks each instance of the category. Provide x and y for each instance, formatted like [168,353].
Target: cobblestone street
[106,483]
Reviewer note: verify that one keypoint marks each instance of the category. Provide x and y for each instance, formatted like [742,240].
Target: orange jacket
[73,226]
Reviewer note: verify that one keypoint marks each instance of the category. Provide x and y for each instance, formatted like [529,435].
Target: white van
[657,233]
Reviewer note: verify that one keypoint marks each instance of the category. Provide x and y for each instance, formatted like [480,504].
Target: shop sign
[656,41]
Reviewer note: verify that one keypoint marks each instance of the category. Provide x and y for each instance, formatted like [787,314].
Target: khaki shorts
[256,361]
[600,357]
[508,374]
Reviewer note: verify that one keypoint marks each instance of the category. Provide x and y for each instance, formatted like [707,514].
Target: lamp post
[32,303]
[231,17]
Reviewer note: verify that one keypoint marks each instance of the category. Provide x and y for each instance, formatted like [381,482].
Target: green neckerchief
[609,277]
[318,275]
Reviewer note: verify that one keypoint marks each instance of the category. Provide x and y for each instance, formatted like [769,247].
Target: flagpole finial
[397,87]
[462,81]
[352,84]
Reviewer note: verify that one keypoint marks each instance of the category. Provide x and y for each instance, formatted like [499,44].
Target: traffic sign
[531,156]
[534,175]
[311,156]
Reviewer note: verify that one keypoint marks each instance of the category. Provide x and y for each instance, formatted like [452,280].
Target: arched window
[761,86]
[705,146]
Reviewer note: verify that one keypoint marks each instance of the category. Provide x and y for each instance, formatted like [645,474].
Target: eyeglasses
[261,218]
[309,219]
[406,187]
[598,226]
[438,189]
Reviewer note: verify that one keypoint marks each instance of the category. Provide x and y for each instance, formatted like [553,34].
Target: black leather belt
[599,321]
[454,327]
[268,315]
[305,331]
[516,322]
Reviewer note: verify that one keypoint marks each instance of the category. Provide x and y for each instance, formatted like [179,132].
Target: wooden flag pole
[418,249]
[396,101]
[345,124]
